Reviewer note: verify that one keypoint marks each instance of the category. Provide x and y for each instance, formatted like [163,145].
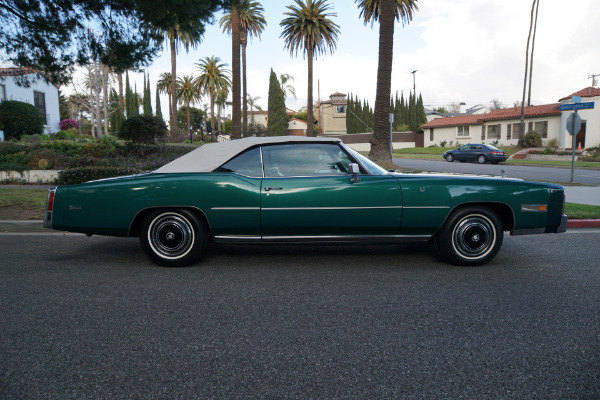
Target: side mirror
[355,169]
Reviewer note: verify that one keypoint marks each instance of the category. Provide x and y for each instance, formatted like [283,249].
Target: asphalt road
[531,173]
[91,318]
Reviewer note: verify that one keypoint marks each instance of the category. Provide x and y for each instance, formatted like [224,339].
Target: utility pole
[594,80]
[414,83]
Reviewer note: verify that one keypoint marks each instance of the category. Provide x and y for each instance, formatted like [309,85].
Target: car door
[308,194]
[462,153]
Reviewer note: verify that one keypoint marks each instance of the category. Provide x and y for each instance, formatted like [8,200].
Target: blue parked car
[480,153]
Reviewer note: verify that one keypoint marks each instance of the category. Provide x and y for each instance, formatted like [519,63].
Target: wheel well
[502,210]
[136,224]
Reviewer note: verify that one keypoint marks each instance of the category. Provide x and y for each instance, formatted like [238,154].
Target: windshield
[369,165]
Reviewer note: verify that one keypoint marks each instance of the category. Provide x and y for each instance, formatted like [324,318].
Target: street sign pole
[573,151]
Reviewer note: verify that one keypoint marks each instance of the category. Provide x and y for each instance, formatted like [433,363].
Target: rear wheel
[173,238]
[471,236]
[481,159]
[450,158]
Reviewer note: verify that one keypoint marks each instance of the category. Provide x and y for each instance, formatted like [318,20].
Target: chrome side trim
[235,208]
[429,207]
[323,239]
[330,208]
[226,238]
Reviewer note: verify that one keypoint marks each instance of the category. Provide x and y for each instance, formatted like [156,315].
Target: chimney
[462,108]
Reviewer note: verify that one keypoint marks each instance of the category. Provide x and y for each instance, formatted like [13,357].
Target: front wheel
[472,236]
[173,238]
[449,158]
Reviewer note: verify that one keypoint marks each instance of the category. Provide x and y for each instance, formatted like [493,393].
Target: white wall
[19,93]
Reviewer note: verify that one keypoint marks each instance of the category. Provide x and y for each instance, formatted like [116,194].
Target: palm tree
[187,93]
[534,7]
[384,11]
[252,23]
[164,86]
[285,86]
[252,103]
[308,28]
[176,35]
[221,102]
[212,79]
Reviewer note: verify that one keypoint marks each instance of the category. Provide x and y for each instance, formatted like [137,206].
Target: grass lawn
[22,204]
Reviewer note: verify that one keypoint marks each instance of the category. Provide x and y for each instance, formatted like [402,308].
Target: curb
[583,223]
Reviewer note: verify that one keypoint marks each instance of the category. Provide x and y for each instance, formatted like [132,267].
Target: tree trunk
[121,102]
[235,70]
[244,42]
[522,125]
[173,119]
[187,105]
[212,114]
[105,77]
[537,6]
[310,119]
[380,143]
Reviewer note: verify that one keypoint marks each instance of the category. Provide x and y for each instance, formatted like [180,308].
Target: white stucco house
[503,126]
[40,93]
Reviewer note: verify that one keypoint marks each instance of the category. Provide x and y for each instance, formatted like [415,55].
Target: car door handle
[267,189]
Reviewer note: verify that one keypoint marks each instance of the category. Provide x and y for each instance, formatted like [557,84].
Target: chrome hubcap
[171,236]
[474,236]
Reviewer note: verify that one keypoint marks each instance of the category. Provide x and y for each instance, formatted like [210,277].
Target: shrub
[67,134]
[532,139]
[66,124]
[20,118]
[79,175]
[143,130]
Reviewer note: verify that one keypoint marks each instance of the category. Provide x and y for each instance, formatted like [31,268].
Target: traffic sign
[576,106]
[573,124]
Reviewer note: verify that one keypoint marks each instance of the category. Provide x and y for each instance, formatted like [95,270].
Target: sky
[470,51]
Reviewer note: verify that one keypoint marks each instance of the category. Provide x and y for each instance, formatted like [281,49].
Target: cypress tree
[277,123]
[116,118]
[421,116]
[158,110]
[146,99]
[413,121]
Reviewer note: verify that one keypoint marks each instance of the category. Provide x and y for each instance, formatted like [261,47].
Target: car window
[247,164]
[476,147]
[312,159]
[465,147]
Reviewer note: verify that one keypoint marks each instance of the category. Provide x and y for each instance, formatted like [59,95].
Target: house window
[39,101]
[2,93]
[463,131]
[542,128]
[516,131]
[493,132]
[340,109]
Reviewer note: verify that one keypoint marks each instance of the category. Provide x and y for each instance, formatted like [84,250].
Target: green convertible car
[303,190]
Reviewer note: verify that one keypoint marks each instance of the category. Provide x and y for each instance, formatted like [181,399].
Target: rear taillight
[50,202]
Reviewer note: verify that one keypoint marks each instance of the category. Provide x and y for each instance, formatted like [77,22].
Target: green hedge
[79,175]
[19,118]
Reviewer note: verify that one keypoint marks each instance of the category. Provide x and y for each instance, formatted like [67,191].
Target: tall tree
[308,28]
[146,99]
[187,93]
[386,12]
[236,128]
[213,77]
[287,87]
[252,23]
[537,6]
[158,110]
[54,36]
[522,124]
[252,103]
[277,121]
[164,86]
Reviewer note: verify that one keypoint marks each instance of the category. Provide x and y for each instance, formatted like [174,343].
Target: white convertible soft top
[211,156]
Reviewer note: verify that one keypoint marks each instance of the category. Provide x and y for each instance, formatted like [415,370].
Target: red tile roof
[495,115]
[587,92]
[17,71]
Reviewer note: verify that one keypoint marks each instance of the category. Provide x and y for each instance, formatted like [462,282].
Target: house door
[580,140]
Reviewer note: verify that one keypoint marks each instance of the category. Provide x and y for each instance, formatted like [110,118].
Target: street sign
[573,124]
[576,106]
